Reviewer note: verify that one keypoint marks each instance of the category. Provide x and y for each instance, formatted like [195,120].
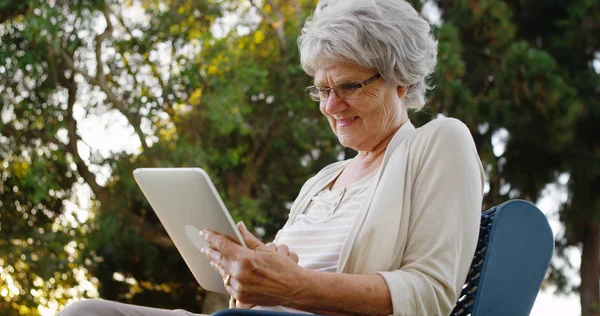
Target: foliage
[524,71]
[228,97]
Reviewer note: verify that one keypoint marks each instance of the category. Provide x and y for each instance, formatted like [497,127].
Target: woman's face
[367,120]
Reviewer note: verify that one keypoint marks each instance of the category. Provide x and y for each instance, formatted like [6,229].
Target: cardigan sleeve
[444,223]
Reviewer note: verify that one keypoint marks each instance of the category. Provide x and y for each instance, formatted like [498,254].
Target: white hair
[386,35]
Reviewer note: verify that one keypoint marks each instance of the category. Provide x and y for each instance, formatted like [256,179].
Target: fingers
[219,269]
[284,250]
[294,256]
[217,261]
[224,245]
[223,266]
[226,268]
[240,305]
[251,241]
[272,246]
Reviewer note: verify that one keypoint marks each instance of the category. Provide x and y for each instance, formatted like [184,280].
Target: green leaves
[524,69]
[232,101]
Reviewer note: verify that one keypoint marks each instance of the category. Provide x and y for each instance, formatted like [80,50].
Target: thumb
[251,241]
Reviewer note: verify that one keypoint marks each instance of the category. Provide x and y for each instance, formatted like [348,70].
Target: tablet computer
[186,202]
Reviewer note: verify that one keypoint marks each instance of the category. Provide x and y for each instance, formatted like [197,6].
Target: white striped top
[318,234]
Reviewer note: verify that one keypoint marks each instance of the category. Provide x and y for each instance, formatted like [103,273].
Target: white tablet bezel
[186,202]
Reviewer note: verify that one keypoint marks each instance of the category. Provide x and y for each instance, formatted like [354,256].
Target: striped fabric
[317,235]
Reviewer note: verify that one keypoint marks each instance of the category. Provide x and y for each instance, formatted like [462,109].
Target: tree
[229,104]
[229,98]
[525,70]
[55,64]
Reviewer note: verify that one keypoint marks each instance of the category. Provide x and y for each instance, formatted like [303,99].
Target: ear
[402,90]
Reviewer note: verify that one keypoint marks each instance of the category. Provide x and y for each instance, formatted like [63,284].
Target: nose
[334,104]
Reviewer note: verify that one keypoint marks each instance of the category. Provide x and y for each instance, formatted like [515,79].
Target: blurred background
[92,89]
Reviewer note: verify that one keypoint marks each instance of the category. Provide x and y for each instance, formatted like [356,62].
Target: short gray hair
[386,35]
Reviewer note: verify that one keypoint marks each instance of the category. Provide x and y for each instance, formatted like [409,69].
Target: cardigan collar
[405,130]
[328,174]
[401,135]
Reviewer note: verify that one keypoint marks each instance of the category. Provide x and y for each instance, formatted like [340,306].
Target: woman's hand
[260,274]
[282,249]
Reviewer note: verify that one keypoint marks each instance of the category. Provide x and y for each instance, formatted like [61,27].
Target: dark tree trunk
[590,271]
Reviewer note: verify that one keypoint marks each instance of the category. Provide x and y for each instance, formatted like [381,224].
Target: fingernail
[203,250]
[243,225]
[203,234]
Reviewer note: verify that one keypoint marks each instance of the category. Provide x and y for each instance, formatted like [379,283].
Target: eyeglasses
[346,91]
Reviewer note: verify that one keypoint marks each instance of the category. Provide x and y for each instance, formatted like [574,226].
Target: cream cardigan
[418,229]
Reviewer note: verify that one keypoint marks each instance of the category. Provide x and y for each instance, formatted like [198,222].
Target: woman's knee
[95,307]
[91,307]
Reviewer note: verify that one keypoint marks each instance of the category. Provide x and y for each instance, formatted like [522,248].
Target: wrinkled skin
[262,274]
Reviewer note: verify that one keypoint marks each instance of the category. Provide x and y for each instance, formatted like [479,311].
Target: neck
[371,159]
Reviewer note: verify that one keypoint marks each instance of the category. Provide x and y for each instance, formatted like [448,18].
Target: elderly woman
[390,231]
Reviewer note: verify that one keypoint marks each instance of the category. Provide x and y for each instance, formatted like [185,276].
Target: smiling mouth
[347,121]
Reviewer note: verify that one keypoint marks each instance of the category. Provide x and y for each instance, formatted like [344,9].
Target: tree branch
[71,145]
[8,129]
[299,15]
[276,25]
[167,107]
[148,231]
[143,228]
[100,81]
[261,12]
[259,155]
[100,76]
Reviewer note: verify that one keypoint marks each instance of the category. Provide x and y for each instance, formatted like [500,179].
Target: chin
[348,142]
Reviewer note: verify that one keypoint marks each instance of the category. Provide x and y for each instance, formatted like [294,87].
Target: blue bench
[513,253]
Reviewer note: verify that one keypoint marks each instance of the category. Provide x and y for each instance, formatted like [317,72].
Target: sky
[548,304]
